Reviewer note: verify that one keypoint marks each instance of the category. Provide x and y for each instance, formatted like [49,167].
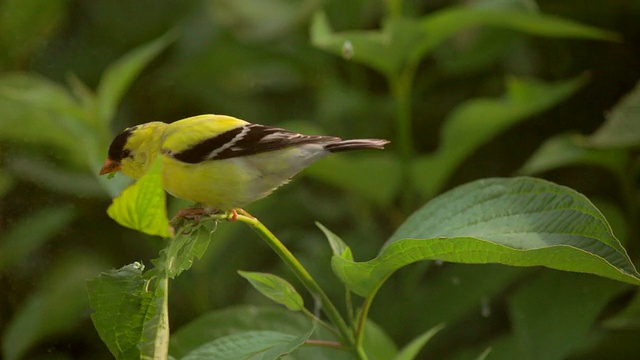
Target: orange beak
[110,166]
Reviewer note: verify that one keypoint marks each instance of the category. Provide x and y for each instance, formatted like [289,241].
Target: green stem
[366,306]
[314,318]
[302,274]
[159,350]
[325,343]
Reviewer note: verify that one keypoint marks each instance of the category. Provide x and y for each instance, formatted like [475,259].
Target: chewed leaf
[519,222]
[142,206]
[121,307]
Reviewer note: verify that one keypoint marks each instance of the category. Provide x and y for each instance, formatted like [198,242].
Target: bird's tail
[345,145]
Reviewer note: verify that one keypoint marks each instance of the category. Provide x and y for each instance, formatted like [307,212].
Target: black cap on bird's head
[117,152]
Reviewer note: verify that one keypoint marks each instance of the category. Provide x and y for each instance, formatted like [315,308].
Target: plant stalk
[303,275]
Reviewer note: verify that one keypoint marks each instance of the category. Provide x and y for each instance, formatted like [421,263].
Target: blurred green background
[255,60]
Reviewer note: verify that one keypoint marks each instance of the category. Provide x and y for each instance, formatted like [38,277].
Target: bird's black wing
[246,140]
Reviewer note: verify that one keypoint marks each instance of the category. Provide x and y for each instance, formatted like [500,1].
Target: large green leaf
[622,128]
[142,206]
[519,222]
[218,324]
[122,305]
[264,344]
[477,121]
[225,322]
[406,41]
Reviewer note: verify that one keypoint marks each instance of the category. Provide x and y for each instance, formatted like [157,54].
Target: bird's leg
[190,213]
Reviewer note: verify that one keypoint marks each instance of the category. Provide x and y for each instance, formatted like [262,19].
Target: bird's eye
[125,153]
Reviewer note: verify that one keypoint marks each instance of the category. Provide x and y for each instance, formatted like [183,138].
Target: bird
[219,161]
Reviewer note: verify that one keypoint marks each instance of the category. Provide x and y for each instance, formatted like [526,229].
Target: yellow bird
[220,161]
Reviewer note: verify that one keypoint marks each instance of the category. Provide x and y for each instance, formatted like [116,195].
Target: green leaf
[518,222]
[551,316]
[31,232]
[119,76]
[377,343]
[122,304]
[399,39]
[182,249]
[622,128]
[239,319]
[248,345]
[275,288]
[411,350]
[339,247]
[56,307]
[280,351]
[442,24]
[142,206]
[573,149]
[220,323]
[477,121]
[406,41]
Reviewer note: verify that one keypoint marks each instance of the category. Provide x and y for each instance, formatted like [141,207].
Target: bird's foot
[190,214]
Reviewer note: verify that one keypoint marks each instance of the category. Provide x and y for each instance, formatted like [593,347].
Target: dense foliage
[469,93]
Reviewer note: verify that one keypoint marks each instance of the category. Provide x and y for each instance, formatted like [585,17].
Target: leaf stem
[325,343]
[364,312]
[300,272]
[314,318]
